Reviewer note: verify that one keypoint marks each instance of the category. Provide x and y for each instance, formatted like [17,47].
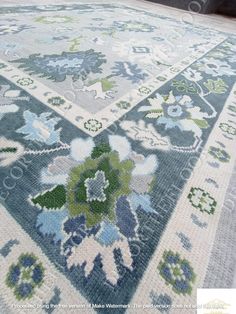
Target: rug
[117,144]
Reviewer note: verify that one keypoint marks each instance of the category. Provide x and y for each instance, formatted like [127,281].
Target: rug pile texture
[117,144]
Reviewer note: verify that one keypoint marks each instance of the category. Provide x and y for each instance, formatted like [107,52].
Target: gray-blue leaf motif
[129,71]
[40,128]
[57,67]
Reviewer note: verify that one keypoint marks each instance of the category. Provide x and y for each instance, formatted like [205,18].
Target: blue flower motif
[25,276]
[177,272]
[129,71]
[40,128]
[175,111]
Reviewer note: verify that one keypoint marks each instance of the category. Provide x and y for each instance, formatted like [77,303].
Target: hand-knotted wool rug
[117,143]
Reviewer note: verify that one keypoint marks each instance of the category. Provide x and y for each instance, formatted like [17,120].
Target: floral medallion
[100,189]
[96,185]
[93,125]
[177,272]
[176,112]
[25,81]
[25,276]
[202,200]
[56,101]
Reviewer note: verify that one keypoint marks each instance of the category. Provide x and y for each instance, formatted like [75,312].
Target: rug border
[224,248]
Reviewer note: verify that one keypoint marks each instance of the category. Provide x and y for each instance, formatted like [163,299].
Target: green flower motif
[2,66]
[93,125]
[95,186]
[219,154]
[177,272]
[25,81]
[184,86]
[202,200]
[123,104]
[56,101]
[216,86]
[144,90]
[25,276]
[227,128]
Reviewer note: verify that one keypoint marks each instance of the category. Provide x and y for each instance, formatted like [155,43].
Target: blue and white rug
[117,141]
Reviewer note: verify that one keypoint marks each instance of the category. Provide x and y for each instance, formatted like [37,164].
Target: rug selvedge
[107,196]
